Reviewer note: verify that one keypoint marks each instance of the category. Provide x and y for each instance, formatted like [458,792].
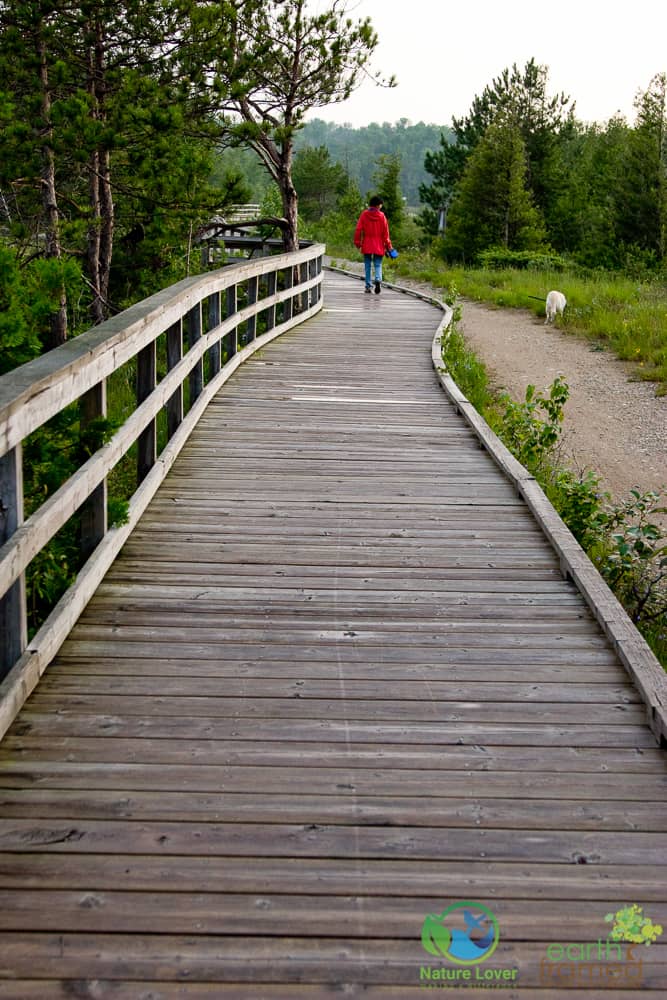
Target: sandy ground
[613,425]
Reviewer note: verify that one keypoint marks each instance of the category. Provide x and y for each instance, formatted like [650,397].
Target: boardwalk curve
[334,683]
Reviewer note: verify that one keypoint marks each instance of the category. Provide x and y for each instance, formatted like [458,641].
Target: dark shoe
[377,288]
[368,289]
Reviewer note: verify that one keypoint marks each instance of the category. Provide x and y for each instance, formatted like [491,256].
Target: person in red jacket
[372,237]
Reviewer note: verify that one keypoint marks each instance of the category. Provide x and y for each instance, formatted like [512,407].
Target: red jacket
[372,232]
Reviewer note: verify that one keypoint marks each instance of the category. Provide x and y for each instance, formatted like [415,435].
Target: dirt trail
[613,425]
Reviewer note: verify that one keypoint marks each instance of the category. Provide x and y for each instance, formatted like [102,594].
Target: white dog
[556,303]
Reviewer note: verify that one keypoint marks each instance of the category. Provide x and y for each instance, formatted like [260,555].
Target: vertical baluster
[271,290]
[146,382]
[174,406]
[194,334]
[13,612]
[93,404]
[287,305]
[303,278]
[231,308]
[213,321]
[251,329]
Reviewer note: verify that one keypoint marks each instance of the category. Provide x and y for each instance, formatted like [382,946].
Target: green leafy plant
[532,428]
[634,560]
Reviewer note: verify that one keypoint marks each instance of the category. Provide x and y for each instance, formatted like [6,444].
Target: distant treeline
[358,149]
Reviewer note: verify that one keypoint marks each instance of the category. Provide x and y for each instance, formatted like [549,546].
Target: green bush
[500,257]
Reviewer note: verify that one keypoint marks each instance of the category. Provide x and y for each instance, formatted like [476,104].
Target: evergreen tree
[387,187]
[642,193]
[493,205]
[271,63]
[319,181]
[522,94]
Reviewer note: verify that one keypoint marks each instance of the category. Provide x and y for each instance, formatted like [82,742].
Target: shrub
[499,257]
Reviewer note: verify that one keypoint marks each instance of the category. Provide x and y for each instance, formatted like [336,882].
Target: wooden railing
[206,326]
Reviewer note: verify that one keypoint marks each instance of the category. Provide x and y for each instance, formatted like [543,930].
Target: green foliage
[318,180]
[578,499]
[467,371]
[501,257]
[386,180]
[519,96]
[493,205]
[633,559]
[532,428]
[281,60]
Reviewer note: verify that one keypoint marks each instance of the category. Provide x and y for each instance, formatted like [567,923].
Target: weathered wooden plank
[307,916]
[56,989]
[631,735]
[398,876]
[440,757]
[230,959]
[306,808]
[359,690]
[329,780]
[75,836]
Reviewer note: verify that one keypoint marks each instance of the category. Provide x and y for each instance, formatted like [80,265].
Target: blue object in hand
[392,253]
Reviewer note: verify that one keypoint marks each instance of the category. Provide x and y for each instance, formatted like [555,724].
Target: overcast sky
[444,52]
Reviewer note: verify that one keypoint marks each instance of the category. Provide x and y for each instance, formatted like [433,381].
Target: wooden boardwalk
[334,683]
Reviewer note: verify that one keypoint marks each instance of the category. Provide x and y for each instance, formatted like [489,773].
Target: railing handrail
[77,371]
[35,391]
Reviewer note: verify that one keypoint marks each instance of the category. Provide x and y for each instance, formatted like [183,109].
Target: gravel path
[613,425]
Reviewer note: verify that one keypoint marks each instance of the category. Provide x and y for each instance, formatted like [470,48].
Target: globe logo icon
[465,933]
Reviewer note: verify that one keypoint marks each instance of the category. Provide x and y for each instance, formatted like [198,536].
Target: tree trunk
[289,197]
[53,250]
[101,226]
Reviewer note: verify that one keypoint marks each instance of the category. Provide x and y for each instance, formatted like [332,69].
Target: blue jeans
[376,260]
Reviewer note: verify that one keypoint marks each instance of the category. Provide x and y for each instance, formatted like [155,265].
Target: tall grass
[629,317]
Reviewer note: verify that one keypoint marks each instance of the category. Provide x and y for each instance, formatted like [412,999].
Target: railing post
[231,307]
[93,404]
[251,329]
[146,382]
[271,290]
[213,321]
[13,611]
[196,376]
[174,406]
